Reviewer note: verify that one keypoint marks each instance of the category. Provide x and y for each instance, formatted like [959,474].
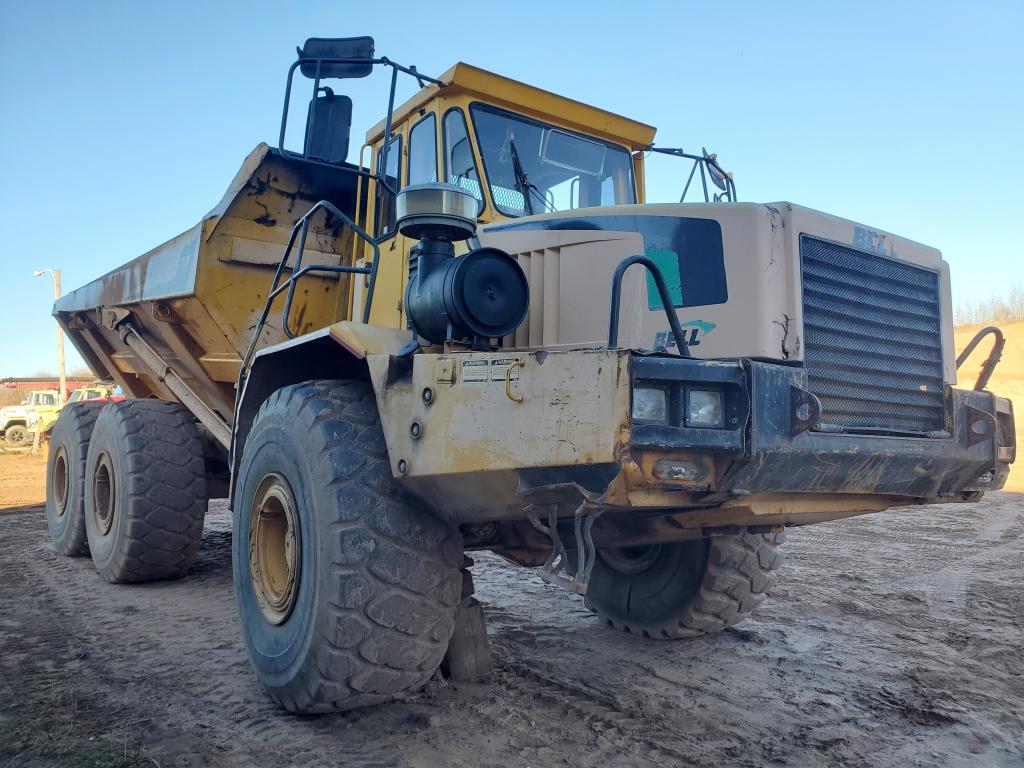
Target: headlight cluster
[701,408]
[650,404]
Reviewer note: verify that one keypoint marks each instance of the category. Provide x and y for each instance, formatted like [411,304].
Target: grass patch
[59,737]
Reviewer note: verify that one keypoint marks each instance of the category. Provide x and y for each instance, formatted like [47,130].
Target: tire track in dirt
[892,639]
[171,653]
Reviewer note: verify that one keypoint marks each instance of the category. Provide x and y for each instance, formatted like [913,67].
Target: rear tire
[16,436]
[65,478]
[346,587]
[687,588]
[145,491]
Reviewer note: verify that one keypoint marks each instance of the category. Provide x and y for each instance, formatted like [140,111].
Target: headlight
[703,408]
[650,404]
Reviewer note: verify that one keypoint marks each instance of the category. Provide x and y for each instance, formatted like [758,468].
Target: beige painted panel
[763,317]
[574,409]
[762,286]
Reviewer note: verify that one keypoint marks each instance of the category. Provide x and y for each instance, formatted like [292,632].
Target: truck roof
[466,79]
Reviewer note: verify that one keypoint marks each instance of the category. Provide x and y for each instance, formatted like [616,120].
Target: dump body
[196,298]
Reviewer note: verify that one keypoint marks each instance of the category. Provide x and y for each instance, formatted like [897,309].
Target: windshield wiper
[522,183]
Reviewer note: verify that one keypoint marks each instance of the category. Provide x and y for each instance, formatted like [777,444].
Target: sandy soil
[894,639]
[22,478]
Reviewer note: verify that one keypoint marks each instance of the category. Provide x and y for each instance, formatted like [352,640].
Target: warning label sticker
[494,371]
[499,369]
[475,371]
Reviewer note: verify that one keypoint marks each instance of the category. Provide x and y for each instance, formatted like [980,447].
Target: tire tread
[394,566]
[740,572]
[165,484]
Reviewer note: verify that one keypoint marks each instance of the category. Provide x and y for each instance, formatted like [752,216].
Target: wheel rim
[631,559]
[59,482]
[16,435]
[103,494]
[275,551]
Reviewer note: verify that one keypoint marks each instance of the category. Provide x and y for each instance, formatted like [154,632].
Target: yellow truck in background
[43,420]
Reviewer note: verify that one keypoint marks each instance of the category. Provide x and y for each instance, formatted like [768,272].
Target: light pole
[55,274]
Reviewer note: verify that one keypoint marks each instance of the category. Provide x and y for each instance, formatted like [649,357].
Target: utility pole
[62,396]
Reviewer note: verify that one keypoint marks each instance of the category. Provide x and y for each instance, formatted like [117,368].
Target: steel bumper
[768,443]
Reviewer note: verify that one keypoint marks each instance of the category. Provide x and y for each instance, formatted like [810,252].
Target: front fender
[336,352]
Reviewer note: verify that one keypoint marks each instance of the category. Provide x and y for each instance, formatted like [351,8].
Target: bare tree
[993,309]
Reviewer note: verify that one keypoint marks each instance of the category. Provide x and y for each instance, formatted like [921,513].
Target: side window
[386,201]
[459,163]
[47,399]
[423,151]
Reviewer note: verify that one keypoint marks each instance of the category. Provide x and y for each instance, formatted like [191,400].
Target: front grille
[872,340]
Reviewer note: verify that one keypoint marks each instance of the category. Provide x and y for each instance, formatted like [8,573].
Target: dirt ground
[894,639]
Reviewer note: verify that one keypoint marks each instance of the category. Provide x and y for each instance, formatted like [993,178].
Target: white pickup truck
[14,418]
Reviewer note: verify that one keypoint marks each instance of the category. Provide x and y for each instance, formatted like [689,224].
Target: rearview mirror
[718,174]
[357,49]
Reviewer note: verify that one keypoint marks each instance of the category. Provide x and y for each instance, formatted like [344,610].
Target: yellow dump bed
[196,299]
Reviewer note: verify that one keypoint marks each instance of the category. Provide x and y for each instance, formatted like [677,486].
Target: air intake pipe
[477,297]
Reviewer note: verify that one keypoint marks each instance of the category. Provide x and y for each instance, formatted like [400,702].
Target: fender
[338,351]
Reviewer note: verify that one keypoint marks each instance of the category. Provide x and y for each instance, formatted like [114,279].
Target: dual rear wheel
[126,483]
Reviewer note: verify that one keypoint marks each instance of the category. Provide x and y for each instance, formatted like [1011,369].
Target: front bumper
[483,436]
[768,443]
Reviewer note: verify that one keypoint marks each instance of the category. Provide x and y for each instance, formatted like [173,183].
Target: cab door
[46,403]
[412,159]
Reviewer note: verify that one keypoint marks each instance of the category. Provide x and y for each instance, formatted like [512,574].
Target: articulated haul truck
[480,336]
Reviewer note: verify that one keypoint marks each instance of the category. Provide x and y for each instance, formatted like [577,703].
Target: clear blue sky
[123,122]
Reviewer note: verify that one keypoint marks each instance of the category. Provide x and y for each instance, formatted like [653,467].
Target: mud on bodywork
[483,435]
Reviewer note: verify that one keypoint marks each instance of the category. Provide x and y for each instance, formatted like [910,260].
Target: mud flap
[468,658]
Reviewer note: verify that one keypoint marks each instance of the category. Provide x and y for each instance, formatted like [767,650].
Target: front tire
[346,587]
[145,491]
[687,588]
[16,436]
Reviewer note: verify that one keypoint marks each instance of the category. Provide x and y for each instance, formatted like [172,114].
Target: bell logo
[693,332]
[870,240]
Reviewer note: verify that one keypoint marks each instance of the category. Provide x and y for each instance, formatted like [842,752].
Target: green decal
[701,325]
[668,262]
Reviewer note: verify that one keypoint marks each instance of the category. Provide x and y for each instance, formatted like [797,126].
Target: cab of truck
[517,149]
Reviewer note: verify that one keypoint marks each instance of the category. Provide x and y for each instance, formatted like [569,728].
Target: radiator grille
[872,340]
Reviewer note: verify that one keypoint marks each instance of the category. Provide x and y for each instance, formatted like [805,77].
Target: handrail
[300,230]
[994,356]
[382,60]
[666,302]
[701,161]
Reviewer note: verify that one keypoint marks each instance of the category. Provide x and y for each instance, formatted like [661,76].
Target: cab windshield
[532,167]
